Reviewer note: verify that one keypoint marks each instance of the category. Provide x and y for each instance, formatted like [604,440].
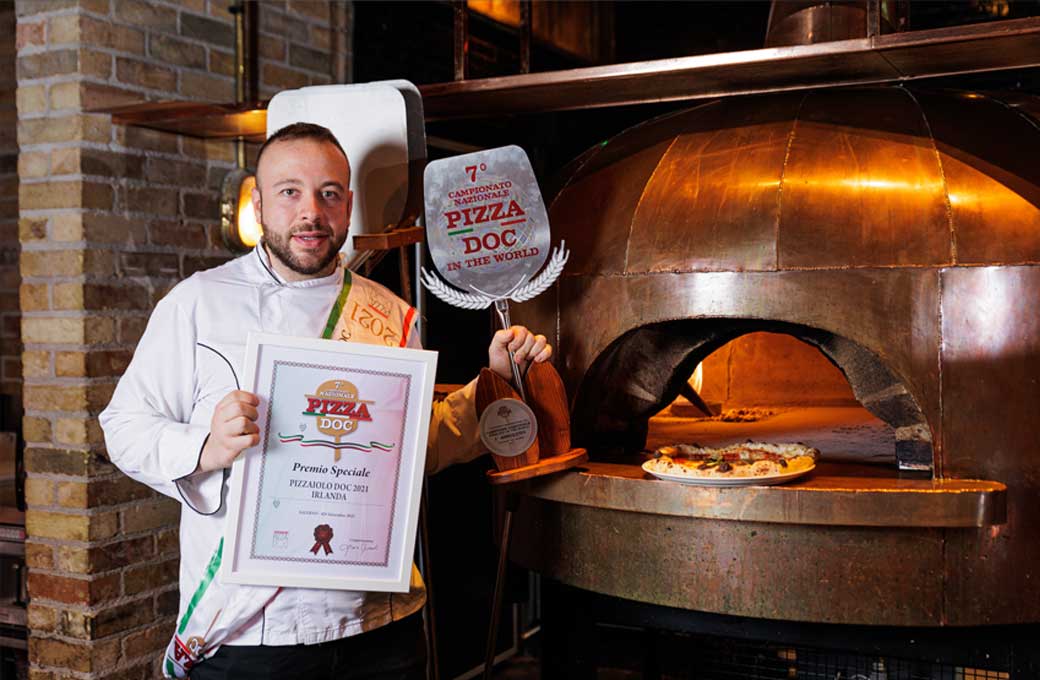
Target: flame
[697,379]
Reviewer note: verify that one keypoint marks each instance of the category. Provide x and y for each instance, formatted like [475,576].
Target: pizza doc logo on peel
[487,229]
[337,411]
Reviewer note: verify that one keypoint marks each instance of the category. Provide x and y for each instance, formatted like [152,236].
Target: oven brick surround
[110,219]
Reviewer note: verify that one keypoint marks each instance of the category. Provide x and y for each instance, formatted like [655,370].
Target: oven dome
[888,227]
[873,177]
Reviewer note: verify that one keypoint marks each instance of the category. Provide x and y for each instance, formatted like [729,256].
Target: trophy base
[545,466]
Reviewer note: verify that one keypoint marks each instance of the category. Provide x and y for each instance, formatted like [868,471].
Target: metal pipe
[511,501]
[502,308]
[238,11]
[461,39]
[250,67]
[404,275]
[426,569]
[340,14]
[525,36]
[873,18]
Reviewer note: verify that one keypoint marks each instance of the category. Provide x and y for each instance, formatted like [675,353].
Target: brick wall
[295,42]
[771,369]
[110,219]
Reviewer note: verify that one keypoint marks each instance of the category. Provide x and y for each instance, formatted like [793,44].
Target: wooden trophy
[488,234]
[551,449]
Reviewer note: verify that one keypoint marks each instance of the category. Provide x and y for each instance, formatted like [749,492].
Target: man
[178,420]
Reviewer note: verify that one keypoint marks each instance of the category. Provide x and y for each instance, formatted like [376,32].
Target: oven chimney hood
[807,22]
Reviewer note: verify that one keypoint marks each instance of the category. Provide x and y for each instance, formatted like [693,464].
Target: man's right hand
[232,430]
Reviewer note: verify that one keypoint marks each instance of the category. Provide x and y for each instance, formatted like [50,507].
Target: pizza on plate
[750,459]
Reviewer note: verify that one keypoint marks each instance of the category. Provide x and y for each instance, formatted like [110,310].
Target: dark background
[414,40]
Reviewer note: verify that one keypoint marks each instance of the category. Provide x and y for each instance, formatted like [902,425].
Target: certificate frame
[343,433]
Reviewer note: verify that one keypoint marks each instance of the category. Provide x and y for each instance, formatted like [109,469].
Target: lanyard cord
[337,308]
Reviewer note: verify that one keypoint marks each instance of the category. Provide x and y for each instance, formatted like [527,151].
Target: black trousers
[396,651]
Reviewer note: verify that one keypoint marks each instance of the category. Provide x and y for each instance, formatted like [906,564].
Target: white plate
[728,481]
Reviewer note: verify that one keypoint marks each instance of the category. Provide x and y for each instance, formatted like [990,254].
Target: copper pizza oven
[861,261]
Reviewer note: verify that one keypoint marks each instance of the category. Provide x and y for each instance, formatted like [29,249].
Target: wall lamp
[238,225]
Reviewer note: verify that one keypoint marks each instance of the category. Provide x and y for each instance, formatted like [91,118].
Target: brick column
[110,219]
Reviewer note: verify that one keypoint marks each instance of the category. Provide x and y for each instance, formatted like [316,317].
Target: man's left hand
[525,345]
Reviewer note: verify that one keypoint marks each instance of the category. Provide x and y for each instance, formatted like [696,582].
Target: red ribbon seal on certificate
[322,536]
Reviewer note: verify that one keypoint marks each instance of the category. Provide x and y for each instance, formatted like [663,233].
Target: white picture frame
[343,432]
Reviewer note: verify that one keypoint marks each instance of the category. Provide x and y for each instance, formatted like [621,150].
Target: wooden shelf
[892,58]
[834,494]
[390,239]
[208,121]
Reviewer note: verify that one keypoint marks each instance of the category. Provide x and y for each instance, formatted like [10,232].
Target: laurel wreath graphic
[529,290]
[540,283]
[453,296]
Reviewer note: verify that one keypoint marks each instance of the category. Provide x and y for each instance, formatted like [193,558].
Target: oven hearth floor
[840,433]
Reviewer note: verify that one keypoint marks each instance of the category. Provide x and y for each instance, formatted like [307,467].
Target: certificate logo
[280,540]
[337,410]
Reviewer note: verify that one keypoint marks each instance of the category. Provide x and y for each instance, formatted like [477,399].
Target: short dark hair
[294,131]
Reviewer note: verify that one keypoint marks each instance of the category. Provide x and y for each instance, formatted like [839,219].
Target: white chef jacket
[188,359]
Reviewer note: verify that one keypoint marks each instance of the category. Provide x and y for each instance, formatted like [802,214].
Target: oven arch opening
[642,373]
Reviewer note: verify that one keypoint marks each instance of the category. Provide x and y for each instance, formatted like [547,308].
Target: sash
[363,312]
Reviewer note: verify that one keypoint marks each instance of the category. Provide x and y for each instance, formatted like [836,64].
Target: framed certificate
[329,498]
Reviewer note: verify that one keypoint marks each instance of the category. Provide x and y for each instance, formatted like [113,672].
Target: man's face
[303,201]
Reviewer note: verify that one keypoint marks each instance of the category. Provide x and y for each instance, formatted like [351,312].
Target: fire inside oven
[773,387]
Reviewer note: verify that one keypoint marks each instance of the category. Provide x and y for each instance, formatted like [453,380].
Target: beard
[280,247]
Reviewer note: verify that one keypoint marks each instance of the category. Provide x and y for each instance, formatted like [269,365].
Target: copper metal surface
[856,575]
[988,160]
[725,171]
[899,232]
[832,495]
[804,22]
[890,312]
[609,188]
[991,396]
[899,57]
[862,185]
[808,22]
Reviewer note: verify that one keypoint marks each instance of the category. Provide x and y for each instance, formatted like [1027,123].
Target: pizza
[750,459]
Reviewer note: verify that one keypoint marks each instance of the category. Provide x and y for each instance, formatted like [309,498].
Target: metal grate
[677,656]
